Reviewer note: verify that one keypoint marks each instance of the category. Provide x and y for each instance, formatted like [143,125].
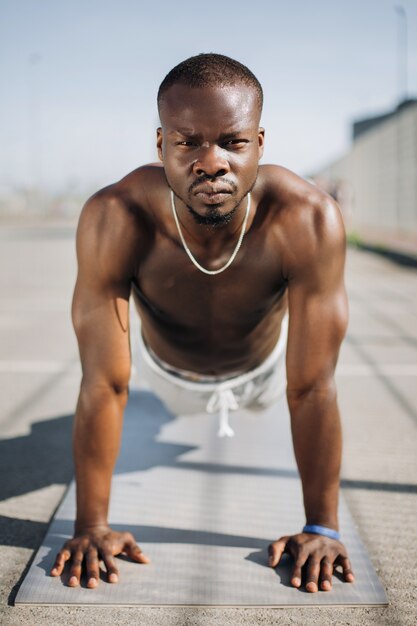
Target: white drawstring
[223,400]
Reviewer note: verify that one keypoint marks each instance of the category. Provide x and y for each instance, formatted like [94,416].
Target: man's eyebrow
[186,132]
[233,134]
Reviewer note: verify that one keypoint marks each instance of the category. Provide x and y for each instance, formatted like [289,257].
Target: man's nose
[211,162]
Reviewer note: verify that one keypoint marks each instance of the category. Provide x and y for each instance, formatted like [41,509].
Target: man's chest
[171,287]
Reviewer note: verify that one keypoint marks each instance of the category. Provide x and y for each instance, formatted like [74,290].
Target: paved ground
[39,375]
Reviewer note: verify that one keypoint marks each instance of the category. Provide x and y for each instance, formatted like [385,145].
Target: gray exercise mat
[204,510]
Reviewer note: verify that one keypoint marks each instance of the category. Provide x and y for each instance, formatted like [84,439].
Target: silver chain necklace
[188,251]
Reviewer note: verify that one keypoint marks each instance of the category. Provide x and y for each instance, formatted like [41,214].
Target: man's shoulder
[300,202]
[308,219]
[129,195]
[124,204]
[290,190]
[116,221]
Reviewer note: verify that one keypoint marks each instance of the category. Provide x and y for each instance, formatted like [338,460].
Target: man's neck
[215,235]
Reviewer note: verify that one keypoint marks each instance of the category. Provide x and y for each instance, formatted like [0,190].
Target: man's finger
[326,573]
[134,552]
[276,550]
[75,570]
[298,565]
[313,571]
[348,574]
[93,570]
[112,571]
[62,557]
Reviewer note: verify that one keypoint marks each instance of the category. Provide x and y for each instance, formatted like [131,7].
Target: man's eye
[236,142]
[185,143]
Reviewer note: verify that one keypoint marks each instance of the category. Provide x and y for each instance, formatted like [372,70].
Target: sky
[79,79]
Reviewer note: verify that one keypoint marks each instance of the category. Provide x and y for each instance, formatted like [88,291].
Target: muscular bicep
[100,309]
[100,318]
[318,311]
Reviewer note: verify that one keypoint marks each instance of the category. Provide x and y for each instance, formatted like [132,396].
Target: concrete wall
[376,182]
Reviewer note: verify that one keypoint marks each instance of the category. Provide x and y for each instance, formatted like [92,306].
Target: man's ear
[159,139]
[261,141]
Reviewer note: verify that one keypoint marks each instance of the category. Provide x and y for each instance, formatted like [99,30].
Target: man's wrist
[326,521]
[84,526]
[317,529]
[321,507]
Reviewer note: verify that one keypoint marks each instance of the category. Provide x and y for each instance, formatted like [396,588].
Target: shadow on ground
[37,460]
[43,458]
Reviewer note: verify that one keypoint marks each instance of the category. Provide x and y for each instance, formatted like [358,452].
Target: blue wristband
[315,529]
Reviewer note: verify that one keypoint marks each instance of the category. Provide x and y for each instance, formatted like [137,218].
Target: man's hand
[317,554]
[91,545]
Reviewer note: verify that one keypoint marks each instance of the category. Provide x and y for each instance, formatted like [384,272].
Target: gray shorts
[254,390]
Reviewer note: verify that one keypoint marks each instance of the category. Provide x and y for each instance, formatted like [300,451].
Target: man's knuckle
[317,554]
[92,554]
[295,548]
[128,537]
[108,559]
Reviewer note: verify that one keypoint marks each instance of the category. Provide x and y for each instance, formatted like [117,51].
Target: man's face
[210,144]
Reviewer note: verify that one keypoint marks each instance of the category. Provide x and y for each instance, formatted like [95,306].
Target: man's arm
[101,321]
[318,314]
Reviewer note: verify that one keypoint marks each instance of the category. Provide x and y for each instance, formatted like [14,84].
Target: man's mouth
[212,194]
[213,198]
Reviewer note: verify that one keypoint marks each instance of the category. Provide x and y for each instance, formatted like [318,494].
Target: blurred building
[375,183]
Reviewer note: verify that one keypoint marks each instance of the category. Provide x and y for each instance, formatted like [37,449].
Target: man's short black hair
[210,70]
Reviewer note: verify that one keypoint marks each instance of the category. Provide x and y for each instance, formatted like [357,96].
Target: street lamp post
[34,133]
[402,52]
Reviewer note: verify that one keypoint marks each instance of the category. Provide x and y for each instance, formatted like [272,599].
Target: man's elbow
[318,392]
[104,392]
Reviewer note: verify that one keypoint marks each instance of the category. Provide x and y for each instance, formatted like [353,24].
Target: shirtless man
[291,259]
